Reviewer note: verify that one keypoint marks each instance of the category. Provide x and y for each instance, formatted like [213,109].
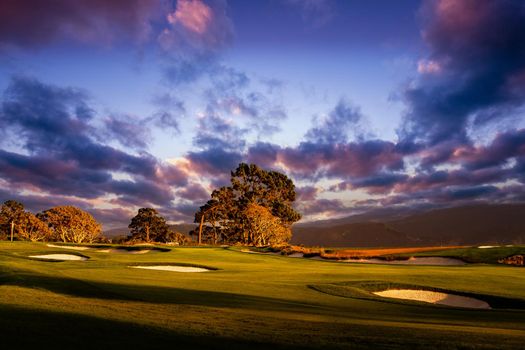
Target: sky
[115,105]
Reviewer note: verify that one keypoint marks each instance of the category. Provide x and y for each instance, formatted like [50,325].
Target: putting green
[250,300]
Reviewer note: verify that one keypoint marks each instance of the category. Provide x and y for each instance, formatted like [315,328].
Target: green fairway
[249,301]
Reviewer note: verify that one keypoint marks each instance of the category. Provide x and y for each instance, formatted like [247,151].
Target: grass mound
[365,289]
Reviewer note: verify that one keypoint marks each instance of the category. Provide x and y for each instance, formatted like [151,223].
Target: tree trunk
[200,228]
[12,229]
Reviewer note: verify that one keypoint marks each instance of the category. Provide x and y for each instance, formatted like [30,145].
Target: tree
[33,229]
[256,198]
[71,224]
[176,238]
[10,215]
[263,228]
[148,226]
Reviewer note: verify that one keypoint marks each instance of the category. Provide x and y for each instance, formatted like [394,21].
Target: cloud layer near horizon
[459,140]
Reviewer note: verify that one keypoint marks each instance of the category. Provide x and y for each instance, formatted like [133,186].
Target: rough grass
[252,301]
[379,252]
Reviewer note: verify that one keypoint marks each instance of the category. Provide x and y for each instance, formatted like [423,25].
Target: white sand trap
[413,261]
[172,268]
[72,247]
[487,246]
[58,257]
[296,255]
[434,298]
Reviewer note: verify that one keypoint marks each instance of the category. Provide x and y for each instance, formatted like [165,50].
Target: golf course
[226,298]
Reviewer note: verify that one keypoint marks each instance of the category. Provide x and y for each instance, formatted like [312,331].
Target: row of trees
[255,210]
[72,224]
[62,223]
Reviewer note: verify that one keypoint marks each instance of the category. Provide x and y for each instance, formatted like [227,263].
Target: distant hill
[470,225]
[119,231]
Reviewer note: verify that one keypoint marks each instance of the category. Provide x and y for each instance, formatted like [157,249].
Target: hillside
[471,225]
[362,234]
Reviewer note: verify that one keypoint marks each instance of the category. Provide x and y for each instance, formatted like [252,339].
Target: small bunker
[59,257]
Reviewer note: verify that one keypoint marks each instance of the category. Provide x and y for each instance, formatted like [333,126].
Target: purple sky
[116,105]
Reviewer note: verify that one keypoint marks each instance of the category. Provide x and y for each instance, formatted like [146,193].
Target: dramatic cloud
[51,132]
[354,159]
[197,26]
[34,23]
[128,131]
[477,55]
[461,138]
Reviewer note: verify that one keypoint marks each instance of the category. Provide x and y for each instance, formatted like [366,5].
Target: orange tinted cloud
[194,15]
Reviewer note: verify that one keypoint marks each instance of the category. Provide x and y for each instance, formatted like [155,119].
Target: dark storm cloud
[34,23]
[505,146]
[307,193]
[37,203]
[61,152]
[128,131]
[353,159]
[214,162]
[263,153]
[474,73]
[194,192]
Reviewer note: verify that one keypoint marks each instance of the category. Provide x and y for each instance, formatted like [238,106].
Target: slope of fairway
[251,300]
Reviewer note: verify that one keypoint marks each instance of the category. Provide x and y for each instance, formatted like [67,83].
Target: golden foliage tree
[71,224]
[244,212]
[33,229]
[264,228]
[11,214]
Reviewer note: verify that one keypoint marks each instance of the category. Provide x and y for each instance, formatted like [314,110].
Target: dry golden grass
[370,253]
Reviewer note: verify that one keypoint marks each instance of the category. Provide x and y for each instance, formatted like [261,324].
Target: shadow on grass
[364,289]
[146,293]
[36,329]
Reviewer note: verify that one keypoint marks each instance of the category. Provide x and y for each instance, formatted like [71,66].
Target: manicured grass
[250,301]
[477,255]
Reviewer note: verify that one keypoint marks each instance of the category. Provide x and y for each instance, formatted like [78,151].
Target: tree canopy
[255,209]
[71,224]
[148,226]
[11,213]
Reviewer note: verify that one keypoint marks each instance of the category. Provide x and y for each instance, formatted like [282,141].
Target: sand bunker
[434,298]
[487,246]
[124,251]
[296,255]
[172,268]
[72,247]
[412,261]
[59,257]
